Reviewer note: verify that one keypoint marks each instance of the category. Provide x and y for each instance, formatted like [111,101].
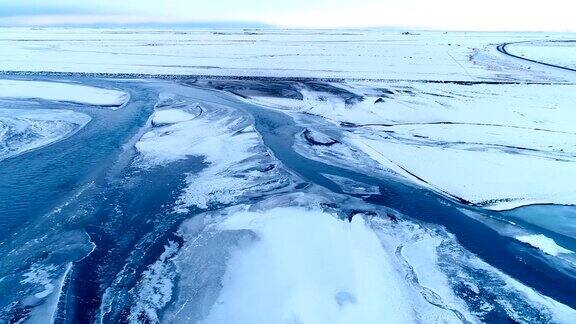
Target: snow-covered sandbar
[23,130]
[58,91]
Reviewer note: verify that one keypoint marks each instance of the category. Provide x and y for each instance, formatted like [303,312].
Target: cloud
[120,21]
[439,14]
[34,8]
[486,15]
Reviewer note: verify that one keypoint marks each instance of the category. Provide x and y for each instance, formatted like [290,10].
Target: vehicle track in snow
[502,49]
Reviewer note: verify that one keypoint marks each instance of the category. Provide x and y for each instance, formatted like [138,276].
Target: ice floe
[31,290]
[560,219]
[546,244]
[154,291]
[171,116]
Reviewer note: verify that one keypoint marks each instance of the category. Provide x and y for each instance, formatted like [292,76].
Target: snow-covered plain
[360,53]
[58,91]
[552,52]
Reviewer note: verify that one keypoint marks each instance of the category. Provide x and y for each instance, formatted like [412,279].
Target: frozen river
[286,200]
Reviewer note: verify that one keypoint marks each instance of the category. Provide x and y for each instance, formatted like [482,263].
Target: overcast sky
[434,14]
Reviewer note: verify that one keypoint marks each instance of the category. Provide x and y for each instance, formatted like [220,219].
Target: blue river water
[88,184]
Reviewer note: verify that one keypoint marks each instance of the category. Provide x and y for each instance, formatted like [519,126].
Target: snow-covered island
[58,91]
